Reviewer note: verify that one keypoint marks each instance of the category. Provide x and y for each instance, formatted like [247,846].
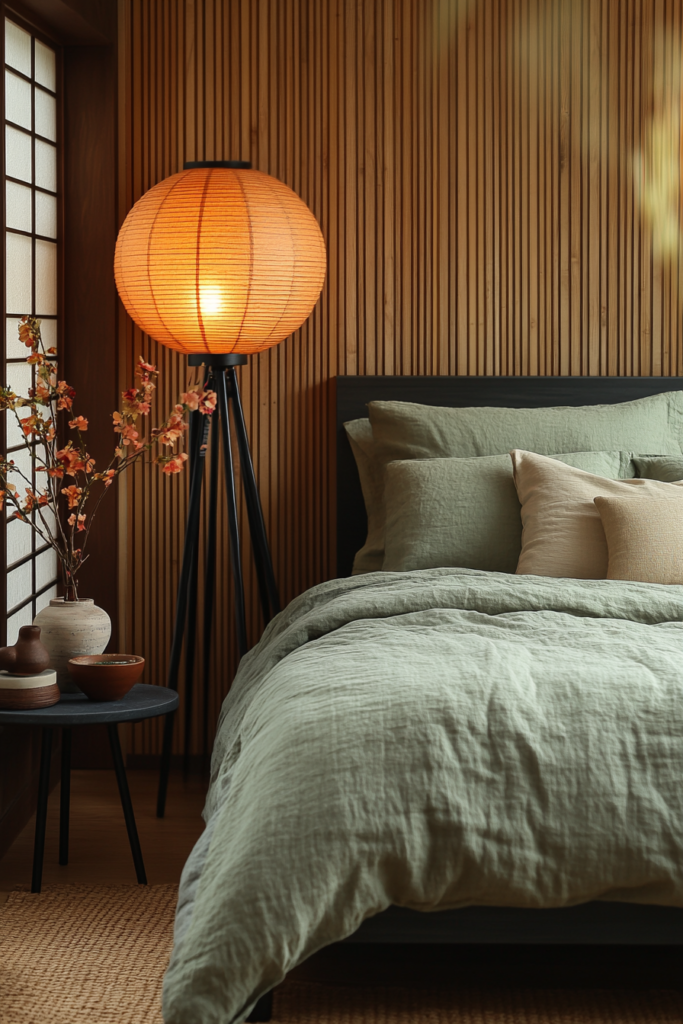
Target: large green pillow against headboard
[405,430]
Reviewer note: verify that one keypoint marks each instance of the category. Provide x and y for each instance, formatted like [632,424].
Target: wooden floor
[99,854]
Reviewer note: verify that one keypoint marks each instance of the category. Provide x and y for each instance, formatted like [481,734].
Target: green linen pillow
[404,430]
[668,468]
[371,555]
[465,512]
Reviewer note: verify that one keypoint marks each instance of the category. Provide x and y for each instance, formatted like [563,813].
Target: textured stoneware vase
[70,628]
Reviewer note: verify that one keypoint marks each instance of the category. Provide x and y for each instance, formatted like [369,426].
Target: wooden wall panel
[471,164]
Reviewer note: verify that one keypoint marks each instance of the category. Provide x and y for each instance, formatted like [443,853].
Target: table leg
[65,797]
[126,804]
[41,810]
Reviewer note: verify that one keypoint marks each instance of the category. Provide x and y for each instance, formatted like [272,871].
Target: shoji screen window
[31,247]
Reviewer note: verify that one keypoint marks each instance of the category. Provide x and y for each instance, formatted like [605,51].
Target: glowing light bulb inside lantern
[210,299]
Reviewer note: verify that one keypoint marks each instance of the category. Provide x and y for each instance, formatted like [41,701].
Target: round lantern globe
[219,260]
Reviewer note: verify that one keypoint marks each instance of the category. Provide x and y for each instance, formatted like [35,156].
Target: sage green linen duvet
[432,739]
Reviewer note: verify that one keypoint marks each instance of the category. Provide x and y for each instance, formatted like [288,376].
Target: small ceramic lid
[9,682]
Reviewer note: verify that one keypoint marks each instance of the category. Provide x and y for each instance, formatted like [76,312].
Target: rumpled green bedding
[432,739]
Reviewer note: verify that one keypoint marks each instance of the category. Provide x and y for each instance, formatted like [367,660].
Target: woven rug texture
[97,955]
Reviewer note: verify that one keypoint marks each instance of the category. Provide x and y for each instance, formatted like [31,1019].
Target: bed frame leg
[263,1010]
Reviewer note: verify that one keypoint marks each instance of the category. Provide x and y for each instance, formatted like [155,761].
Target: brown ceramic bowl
[106,676]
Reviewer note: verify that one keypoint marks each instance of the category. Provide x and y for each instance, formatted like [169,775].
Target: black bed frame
[594,923]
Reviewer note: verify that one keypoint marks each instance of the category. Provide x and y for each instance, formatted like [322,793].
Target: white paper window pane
[23,474]
[18,273]
[18,539]
[15,348]
[19,585]
[15,622]
[46,115]
[48,332]
[18,154]
[46,568]
[18,100]
[46,520]
[43,600]
[18,377]
[46,215]
[18,207]
[17,48]
[22,458]
[46,166]
[14,437]
[46,277]
[46,66]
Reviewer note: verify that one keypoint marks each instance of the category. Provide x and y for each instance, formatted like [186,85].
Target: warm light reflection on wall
[658,165]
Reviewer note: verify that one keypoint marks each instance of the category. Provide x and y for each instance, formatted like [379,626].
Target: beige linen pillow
[562,534]
[644,538]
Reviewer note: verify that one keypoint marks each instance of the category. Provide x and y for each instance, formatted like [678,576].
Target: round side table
[74,709]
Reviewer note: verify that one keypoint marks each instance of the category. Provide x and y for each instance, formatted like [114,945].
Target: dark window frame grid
[37,547]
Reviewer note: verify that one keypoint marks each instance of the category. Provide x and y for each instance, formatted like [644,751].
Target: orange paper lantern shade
[218,259]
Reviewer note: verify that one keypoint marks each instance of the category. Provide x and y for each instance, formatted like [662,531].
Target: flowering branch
[70,469]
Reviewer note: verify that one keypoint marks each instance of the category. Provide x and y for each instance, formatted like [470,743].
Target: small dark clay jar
[28,657]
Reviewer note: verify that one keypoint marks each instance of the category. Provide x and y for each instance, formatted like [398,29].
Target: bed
[281,840]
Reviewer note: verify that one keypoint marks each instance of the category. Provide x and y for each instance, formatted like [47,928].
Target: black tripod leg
[191,530]
[41,810]
[126,803]
[65,797]
[202,427]
[235,555]
[190,645]
[209,588]
[270,600]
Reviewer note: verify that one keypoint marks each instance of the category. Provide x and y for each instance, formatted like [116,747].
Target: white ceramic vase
[69,628]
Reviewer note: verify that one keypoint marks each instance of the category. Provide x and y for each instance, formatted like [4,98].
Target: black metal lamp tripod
[220,377]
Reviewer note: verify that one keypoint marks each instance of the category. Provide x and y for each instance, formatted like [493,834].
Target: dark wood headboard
[354,393]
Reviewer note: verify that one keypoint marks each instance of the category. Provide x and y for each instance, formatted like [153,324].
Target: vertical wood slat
[470,164]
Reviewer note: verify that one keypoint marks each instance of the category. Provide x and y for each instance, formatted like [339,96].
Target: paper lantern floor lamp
[220,262]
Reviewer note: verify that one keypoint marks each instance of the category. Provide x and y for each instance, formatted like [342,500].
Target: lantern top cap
[238,165]
[218,360]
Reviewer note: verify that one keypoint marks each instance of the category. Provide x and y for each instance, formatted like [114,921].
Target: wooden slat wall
[470,165]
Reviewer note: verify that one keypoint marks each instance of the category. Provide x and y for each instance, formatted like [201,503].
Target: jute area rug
[97,955]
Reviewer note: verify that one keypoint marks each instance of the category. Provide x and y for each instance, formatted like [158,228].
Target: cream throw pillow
[562,533]
[644,538]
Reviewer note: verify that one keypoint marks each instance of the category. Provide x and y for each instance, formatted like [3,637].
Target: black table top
[143,701]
